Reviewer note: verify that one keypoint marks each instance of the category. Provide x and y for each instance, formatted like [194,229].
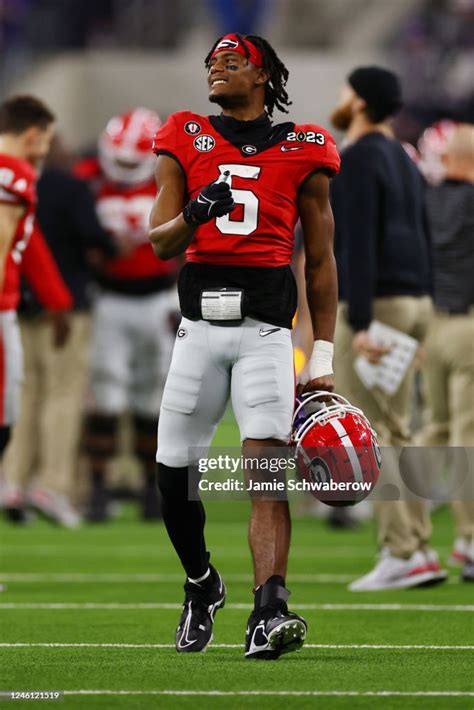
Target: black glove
[214,200]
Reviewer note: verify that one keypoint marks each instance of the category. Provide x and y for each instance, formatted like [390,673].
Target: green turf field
[96,609]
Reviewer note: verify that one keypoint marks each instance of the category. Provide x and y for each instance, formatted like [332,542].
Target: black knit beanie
[380,89]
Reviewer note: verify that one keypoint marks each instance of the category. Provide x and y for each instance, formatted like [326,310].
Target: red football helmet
[337,452]
[125,147]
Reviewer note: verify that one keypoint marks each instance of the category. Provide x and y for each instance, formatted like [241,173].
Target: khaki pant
[44,445]
[448,376]
[403,525]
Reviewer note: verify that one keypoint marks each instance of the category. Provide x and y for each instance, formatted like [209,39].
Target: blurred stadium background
[90,61]
[93,60]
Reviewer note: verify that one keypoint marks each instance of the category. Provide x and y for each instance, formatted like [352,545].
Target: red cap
[233,43]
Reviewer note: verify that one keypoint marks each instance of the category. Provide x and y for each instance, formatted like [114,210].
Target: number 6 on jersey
[247,198]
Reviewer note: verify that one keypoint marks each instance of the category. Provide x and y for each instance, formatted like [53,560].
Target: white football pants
[252,362]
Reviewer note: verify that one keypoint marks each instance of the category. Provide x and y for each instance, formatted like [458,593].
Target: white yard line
[159,552]
[86,578]
[363,646]
[171,605]
[285,693]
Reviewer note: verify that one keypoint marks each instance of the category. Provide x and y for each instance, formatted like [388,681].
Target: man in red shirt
[26,130]
[231,188]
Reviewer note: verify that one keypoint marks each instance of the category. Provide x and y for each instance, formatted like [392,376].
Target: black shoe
[201,602]
[272,630]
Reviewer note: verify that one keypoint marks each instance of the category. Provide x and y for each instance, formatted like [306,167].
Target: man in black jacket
[382,254]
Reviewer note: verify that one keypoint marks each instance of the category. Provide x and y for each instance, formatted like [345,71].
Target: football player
[26,130]
[132,336]
[231,188]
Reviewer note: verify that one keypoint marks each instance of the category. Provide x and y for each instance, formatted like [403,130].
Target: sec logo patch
[204,143]
[192,128]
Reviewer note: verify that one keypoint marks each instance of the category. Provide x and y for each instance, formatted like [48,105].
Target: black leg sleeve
[184,520]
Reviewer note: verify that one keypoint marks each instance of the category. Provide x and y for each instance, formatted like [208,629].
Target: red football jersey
[17,187]
[124,211]
[265,184]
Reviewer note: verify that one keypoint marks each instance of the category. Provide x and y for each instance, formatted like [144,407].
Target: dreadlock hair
[276,95]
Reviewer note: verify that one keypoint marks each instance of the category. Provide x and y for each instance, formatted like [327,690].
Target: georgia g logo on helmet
[319,470]
[125,144]
[227,44]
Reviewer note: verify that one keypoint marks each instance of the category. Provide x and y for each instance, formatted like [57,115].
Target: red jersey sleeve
[17,181]
[321,152]
[41,272]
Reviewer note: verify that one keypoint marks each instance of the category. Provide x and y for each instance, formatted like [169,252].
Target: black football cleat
[272,630]
[194,632]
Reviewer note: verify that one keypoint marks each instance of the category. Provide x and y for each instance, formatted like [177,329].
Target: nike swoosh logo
[287,148]
[254,646]
[184,635]
[262,332]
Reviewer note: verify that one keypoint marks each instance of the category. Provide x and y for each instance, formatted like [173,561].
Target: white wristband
[320,362]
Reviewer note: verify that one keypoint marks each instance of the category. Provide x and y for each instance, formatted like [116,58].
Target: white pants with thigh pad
[131,351]
[251,361]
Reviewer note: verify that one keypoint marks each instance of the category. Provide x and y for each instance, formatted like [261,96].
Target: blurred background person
[26,131]
[382,254]
[429,151]
[132,333]
[448,370]
[39,463]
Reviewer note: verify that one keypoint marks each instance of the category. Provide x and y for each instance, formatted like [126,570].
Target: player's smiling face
[232,78]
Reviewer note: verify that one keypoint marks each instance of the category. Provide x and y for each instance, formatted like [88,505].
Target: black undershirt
[260,132]
[270,292]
